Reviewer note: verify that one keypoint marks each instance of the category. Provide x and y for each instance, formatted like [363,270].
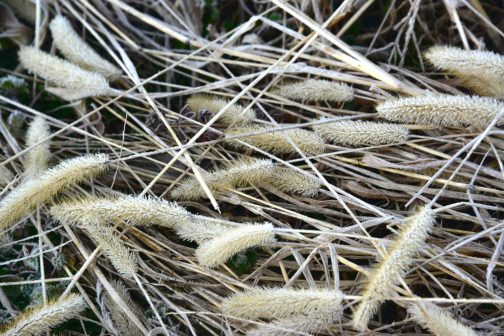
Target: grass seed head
[63,74]
[437,320]
[291,181]
[441,110]
[37,157]
[218,250]
[361,133]
[397,260]
[276,142]
[76,50]
[316,90]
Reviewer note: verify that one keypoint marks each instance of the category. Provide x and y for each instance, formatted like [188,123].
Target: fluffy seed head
[236,114]
[276,142]
[40,320]
[316,90]
[480,71]
[33,193]
[119,255]
[121,320]
[441,110]
[238,174]
[199,230]
[313,323]
[361,133]
[289,180]
[80,82]
[387,273]
[218,250]
[76,50]
[37,157]
[277,303]
[136,211]
[437,320]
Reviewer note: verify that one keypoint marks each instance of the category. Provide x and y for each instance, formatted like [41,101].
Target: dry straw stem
[361,133]
[236,114]
[119,255]
[392,268]
[240,173]
[276,141]
[136,211]
[24,8]
[63,73]
[278,303]
[438,321]
[316,90]
[76,50]
[218,250]
[313,323]
[121,320]
[441,110]
[480,71]
[37,157]
[33,193]
[40,320]
[288,180]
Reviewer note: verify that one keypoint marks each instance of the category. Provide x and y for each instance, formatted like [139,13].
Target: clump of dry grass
[361,133]
[33,193]
[76,50]
[276,141]
[388,271]
[216,251]
[63,74]
[235,114]
[441,110]
[480,71]
[38,157]
[437,320]
[40,320]
[316,90]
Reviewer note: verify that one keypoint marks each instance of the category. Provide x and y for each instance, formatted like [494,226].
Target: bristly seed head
[235,114]
[315,90]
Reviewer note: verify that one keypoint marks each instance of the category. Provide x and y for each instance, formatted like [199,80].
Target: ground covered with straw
[250,167]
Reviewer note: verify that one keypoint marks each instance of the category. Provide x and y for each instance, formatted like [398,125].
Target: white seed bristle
[37,157]
[236,114]
[316,90]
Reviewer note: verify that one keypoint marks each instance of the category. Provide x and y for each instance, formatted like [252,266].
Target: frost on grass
[71,80]
[278,303]
[76,50]
[235,114]
[361,133]
[437,320]
[240,173]
[276,141]
[315,90]
[33,193]
[218,250]
[40,320]
[392,268]
[480,71]
[37,157]
[442,110]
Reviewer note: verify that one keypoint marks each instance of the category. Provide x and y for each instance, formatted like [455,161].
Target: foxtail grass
[236,114]
[361,133]
[437,320]
[76,50]
[315,90]
[213,252]
[441,110]
[480,71]
[388,272]
[40,320]
[276,142]
[37,158]
[33,193]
